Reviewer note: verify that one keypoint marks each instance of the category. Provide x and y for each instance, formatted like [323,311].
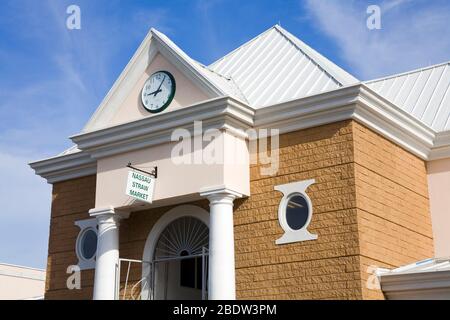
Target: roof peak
[334,71]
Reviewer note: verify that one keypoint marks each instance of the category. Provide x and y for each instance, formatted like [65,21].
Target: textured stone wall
[394,221]
[326,268]
[71,201]
[370,204]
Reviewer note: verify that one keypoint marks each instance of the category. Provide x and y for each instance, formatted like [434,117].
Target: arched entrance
[177,249]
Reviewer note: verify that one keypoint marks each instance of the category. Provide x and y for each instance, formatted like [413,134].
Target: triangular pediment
[194,83]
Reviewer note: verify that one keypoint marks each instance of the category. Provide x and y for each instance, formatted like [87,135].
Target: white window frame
[290,190]
[85,225]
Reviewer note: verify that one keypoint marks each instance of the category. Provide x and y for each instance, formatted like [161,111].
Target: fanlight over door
[180,260]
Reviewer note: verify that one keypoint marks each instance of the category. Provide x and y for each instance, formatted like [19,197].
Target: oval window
[88,244]
[297,212]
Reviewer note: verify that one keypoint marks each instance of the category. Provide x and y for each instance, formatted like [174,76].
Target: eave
[65,167]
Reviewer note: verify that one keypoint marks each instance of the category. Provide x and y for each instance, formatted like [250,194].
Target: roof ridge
[213,71]
[282,32]
[408,72]
[243,45]
[322,64]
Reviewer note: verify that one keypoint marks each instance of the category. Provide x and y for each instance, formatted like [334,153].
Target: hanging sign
[140,186]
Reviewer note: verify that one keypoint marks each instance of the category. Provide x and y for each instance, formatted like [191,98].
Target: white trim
[417,285]
[154,43]
[19,266]
[159,226]
[441,147]
[215,113]
[184,63]
[65,167]
[289,190]
[85,225]
[209,191]
[357,102]
[23,274]
[122,86]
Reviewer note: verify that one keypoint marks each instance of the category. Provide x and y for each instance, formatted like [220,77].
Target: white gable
[195,83]
[276,66]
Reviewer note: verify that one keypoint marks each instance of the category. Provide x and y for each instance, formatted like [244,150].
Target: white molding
[288,190]
[215,113]
[219,190]
[65,167]
[441,147]
[357,102]
[159,226]
[120,89]
[108,211]
[416,285]
[154,43]
[23,272]
[184,63]
[85,225]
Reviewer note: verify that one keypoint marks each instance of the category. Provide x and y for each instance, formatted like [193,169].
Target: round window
[297,212]
[88,244]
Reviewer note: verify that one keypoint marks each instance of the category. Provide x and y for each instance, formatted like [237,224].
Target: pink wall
[186,93]
[439,190]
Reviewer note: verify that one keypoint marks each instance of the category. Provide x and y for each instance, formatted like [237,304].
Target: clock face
[158,91]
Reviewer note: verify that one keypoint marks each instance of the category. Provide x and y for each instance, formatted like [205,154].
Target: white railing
[147,283]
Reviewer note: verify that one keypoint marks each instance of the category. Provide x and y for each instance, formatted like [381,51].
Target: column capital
[108,212]
[220,195]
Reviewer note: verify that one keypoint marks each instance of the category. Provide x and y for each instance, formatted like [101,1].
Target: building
[355,179]
[21,283]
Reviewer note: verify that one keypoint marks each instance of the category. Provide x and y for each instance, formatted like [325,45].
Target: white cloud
[411,35]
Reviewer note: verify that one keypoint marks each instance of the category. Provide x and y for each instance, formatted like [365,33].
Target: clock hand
[147,94]
[159,88]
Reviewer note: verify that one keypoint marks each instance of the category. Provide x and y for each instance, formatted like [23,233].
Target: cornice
[417,281]
[65,167]
[357,102]
[220,113]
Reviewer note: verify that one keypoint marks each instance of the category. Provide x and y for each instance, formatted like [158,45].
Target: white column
[107,257]
[221,281]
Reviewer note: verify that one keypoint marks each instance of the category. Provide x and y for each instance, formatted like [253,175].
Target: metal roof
[275,66]
[423,93]
[223,83]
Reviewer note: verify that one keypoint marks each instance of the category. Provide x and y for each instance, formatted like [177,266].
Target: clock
[158,91]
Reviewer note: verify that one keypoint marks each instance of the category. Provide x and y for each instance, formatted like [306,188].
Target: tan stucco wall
[186,93]
[439,188]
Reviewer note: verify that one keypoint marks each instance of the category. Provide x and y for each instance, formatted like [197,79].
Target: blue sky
[52,78]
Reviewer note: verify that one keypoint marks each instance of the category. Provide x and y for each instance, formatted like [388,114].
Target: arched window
[176,249]
[183,240]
